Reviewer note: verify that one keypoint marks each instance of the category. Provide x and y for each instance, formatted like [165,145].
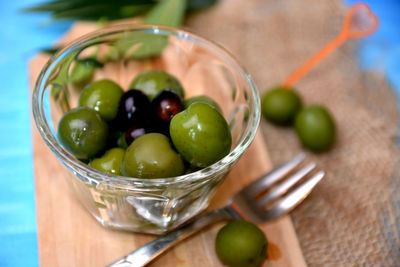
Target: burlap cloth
[351,217]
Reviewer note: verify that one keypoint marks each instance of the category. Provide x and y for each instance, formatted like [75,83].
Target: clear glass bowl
[203,67]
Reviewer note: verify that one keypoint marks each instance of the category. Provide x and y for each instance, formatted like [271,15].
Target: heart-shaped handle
[360,21]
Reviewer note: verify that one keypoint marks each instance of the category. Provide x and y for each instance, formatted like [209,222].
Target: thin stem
[329,48]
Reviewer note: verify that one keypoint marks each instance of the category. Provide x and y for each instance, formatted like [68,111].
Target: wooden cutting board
[69,236]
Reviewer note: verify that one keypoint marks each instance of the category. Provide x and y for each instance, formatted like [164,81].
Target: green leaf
[91,61]
[113,54]
[82,13]
[93,9]
[111,10]
[134,10]
[83,70]
[193,5]
[60,72]
[167,13]
[56,90]
[50,6]
[150,46]
[99,11]
[59,80]
[49,50]
[100,205]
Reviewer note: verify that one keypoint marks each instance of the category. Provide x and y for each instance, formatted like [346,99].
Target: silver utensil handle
[148,252]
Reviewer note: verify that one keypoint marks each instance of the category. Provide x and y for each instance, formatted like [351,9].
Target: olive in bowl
[152,156]
[103,96]
[201,134]
[83,132]
[154,81]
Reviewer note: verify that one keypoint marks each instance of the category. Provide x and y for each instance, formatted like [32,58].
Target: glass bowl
[203,67]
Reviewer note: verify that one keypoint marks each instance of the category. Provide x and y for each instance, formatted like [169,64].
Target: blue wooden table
[22,35]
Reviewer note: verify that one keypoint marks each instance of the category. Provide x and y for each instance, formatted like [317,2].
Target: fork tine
[290,201]
[270,178]
[283,187]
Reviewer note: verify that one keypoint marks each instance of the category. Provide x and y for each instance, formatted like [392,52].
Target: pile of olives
[314,125]
[148,131]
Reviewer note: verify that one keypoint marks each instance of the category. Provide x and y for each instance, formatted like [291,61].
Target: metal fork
[272,195]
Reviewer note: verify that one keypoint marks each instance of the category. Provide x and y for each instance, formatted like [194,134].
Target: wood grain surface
[69,236]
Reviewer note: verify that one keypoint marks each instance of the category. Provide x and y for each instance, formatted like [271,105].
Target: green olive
[241,244]
[102,96]
[315,128]
[153,81]
[151,156]
[83,132]
[202,99]
[200,134]
[280,105]
[110,162]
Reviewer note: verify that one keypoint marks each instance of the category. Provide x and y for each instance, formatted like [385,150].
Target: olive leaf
[146,45]
[49,50]
[167,13]
[83,70]
[99,9]
[59,80]
[193,5]
[93,9]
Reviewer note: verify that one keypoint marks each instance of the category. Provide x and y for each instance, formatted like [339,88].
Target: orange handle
[344,34]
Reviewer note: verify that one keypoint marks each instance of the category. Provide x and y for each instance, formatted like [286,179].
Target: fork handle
[148,252]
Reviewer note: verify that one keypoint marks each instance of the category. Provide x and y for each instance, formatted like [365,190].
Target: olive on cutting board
[241,244]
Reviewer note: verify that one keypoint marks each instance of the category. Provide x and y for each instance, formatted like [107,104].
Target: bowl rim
[96,176]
